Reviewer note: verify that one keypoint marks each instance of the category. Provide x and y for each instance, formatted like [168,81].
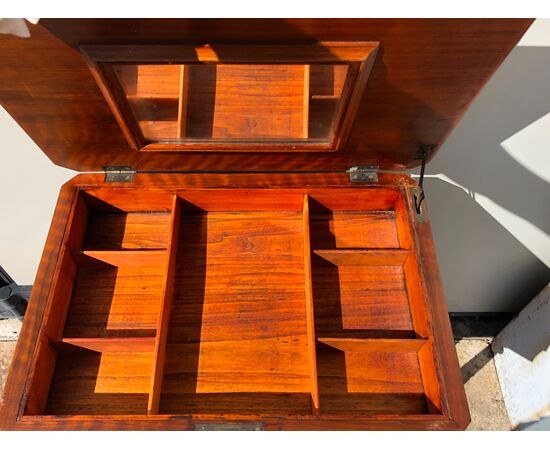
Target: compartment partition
[165,309]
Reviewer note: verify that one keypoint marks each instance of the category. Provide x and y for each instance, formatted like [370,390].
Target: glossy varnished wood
[239,336]
[418,89]
[238,321]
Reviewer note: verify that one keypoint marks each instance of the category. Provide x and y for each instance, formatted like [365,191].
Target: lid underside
[425,74]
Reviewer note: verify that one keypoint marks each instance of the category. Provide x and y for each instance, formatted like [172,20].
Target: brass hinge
[119,174]
[363,174]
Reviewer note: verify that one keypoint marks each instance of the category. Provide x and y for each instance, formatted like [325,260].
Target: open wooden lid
[247,95]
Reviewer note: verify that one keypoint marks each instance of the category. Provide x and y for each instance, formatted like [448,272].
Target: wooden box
[232,269]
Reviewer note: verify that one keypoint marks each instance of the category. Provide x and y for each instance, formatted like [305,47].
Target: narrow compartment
[353,220]
[127,230]
[89,382]
[237,337]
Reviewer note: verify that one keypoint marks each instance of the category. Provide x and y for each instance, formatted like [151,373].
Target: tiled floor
[476,360]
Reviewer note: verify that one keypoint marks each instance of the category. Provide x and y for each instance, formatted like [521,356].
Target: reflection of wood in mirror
[234,102]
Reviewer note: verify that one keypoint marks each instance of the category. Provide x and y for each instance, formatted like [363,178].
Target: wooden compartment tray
[291,307]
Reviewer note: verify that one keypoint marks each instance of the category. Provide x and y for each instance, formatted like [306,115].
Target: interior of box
[237,302]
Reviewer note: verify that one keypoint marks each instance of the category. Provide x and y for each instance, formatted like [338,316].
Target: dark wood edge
[166,422]
[453,396]
[321,52]
[25,354]
[251,180]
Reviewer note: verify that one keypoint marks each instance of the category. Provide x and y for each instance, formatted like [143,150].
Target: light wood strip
[305,132]
[164,315]
[373,345]
[107,345]
[116,258]
[309,311]
[182,101]
[364,257]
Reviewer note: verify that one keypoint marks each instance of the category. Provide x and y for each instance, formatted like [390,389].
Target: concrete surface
[485,400]
[522,360]
[476,360]
[9,332]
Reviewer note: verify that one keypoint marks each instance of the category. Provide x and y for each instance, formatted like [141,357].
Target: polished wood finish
[310,318]
[425,75]
[257,326]
[165,310]
[233,97]
[106,345]
[361,257]
[373,345]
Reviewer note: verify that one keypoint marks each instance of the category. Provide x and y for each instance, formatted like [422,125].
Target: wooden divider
[128,258]
[182,101]
[164,313]
[309,310]
[106,344]
[364,257]
[305,114]
[373,344]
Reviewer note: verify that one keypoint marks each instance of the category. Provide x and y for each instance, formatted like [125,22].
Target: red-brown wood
[310,315]
[424,77]
[165,310]
[239,333]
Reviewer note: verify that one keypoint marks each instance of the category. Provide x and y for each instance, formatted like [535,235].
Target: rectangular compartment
[88,382]
[127,231]
[237,334]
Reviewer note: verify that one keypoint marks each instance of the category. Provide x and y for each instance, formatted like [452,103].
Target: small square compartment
[369,382]
[90,383]
[116,294]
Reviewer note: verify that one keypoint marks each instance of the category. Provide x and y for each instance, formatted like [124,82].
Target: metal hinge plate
[229,426]
[363,174]
[119,174]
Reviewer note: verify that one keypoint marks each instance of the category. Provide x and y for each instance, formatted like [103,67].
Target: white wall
[488,191]
[29,186]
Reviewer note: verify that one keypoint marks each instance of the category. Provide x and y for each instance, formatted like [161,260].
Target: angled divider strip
[309,310]
[164,313]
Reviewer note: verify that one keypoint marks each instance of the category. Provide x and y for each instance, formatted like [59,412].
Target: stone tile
[6,353]
[487,407]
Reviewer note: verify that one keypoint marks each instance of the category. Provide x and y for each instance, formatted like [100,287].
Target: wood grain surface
[248,311]
[424,77]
